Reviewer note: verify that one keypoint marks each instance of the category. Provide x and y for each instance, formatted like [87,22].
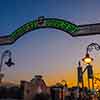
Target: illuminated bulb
[87,59]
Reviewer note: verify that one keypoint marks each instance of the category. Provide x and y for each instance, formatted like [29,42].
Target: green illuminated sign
[41,23]
[23,29]
[45,23]
[62,25]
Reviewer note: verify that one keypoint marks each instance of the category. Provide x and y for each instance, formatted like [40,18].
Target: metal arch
[88,30]
[56,23]
[72,29]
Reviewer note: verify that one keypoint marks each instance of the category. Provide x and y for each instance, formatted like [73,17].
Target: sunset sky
[49,52]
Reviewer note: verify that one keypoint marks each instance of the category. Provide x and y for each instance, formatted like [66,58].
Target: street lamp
[80,75]
[65,83]
[87,60]
[9,63]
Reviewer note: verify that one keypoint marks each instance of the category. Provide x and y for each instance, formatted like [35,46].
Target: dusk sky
[49,52]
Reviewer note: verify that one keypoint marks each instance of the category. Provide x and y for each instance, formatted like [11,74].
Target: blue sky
[49,52]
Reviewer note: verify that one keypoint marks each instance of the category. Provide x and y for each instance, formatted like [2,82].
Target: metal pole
[82,83]
[88,83]
[93,83]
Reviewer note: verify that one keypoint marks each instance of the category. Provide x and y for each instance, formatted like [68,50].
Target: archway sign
[42,22]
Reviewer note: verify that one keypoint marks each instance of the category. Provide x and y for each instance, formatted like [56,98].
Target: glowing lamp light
[87,59]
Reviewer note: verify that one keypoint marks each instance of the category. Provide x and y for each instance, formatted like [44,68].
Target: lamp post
[65,83]
[80,75]
[9,63]
[87,60]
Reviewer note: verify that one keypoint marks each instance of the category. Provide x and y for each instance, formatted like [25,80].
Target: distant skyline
[49,52]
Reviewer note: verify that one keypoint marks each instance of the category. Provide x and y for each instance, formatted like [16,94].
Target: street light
[65,83]
[87,60]
[9,63]
[80,75]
